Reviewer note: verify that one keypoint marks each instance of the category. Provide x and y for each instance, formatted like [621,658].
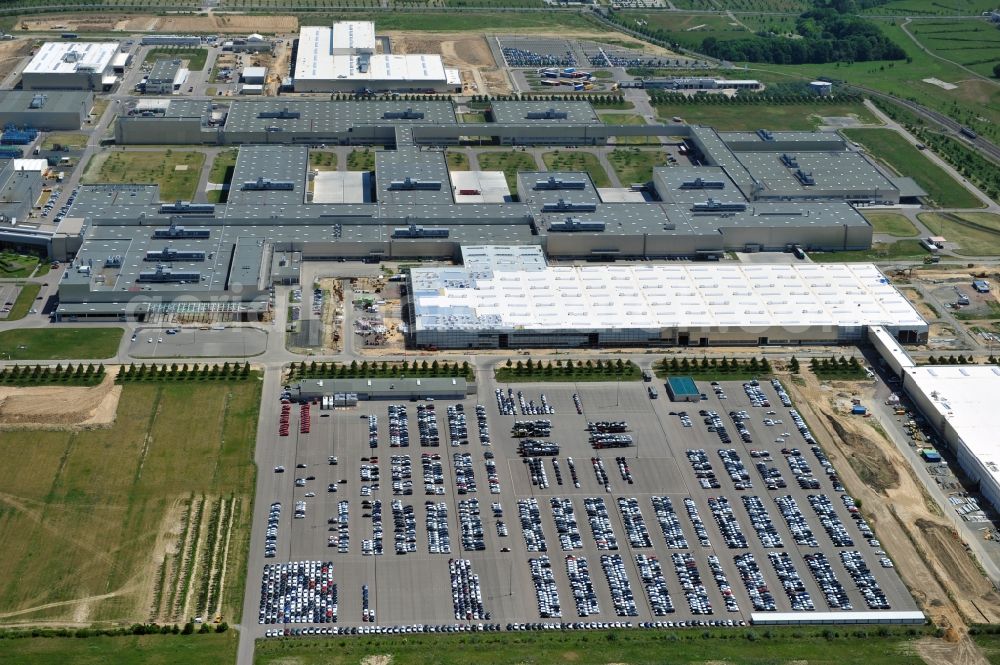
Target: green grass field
[634,165]
[457,161]
[932,7]
[457,21]
[196,57]
[476,117]
[892,224]
[175,171]
[904,158]
[731,117]
[323,160]
[14,265]
[509,162]
[126,650]
[880,251]
[974,43]
[567,160]
[976,233]
[222,167]
[24,302]
[361,160]
[990,646]
[688,647]
[72,139]
[58,343]
[100,525]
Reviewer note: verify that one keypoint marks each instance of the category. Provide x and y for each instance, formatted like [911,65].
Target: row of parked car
[584,596]
[670,524]
[438,538]
[791,582]
[655,584]
[298,592]
[536,470]
[721,581]
[271,536]
[531,524]
[760,595]
[471,525]
[600,523]
[466,594]
[458,427]
[761,522]
[635,526]
[465,478]
[729,526]
[621,590]
[546,592]
[566,525]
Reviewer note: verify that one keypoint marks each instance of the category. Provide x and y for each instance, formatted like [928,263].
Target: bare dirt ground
[929,555]
[45,407]
[469,53]
[221,23]
[11,53]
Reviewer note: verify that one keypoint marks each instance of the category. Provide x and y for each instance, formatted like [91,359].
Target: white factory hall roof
[966,397]
[316,61]
[652,296]
[354,35]
[71,57]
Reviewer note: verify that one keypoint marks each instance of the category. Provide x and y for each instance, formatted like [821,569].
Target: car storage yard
[416,587]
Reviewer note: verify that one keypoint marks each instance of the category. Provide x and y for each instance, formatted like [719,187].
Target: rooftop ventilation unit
[113,261]
[408,184]
[712,205]
[765,135]
[283,114]
[38,101]
[553,182]
[174,231]
[71,56]
[805,178]
[408,114]
[164,275]
[414,231]
[550,114]
[187,208]
[266,184]
[701,183]
[168,254]
[577,225]
[567,206]
[789,160]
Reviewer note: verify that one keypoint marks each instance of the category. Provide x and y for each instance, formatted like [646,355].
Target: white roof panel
[72,57]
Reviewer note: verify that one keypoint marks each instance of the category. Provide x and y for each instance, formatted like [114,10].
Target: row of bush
[714,366]
[183,372]
[376,370]
[27,375]
[134,629]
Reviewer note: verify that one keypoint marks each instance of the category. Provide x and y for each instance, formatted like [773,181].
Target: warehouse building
[55,109]
[170,40]
[70,66]
[344,58]
[655,305]
[166,76]
[253,43]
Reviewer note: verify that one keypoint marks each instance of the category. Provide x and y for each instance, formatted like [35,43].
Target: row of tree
[26,375]
[832,367]
[770,98]
[184,372]
[530,368]
[375,370]
[711,366]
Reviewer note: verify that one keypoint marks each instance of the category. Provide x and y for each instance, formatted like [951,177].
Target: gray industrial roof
[832,171]
[518,112]
[54,101]
[164,70]
[263,163]
[423,168]
[320,115]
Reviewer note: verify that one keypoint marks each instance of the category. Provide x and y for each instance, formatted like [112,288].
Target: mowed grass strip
[736,117]
[126,650]
[361,160]
[634,165]
[58,343]
[976,233]
[509,162]
[904,158]
[195,57]
[83,513]
[880,251]
[566,160]
[149,167]
[892,224]
[23,303]
[781,646]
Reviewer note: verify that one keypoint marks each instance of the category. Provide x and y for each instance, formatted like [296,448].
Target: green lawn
[880,251]
[361,160]
[976,233]
[974,43]
[776,646]
[176,172]
[222,167]
[572,160]
[990,646]
[457,161]
[125,650]
[892,224]
[633,165]
[58,343]
[476,117]
[733,117]
[323,160]
[24,302]
[509,162]
[14,265]
[196,57]
[115,515]
[71,139]
[904,158]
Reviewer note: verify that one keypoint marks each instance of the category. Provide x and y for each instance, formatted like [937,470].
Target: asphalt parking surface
[197,343]
[416,587]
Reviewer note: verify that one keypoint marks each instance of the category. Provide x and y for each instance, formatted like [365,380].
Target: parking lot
[680,515]
[201,342]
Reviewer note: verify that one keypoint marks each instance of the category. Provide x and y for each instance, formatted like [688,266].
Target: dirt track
[929,555]
[45,407]
[220,23]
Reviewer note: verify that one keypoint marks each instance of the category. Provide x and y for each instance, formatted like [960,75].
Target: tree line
[376,370]
[175,372]
[36,375]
